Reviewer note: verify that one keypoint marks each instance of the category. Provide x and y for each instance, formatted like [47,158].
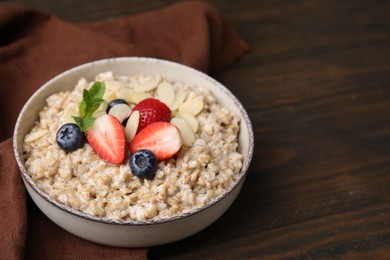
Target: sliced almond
[109,95]
[69,112]
[145,86]
[126,94]
[132,126]
[192,106]
[102,108]
[97,114]
[166,93]
[35,136]
[179,99]
[139,96]
[185,130]
[114,85]
[120,111]
[191,120]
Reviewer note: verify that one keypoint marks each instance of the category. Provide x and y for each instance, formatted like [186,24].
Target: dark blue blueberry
[70,137]
[115,102]
[124,123]
[143,164]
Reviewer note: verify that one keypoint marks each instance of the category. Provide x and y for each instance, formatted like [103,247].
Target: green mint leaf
[84,123]
[83,108]
[97,90]
[90,98]
[88,122]
[91,101]
[93,106]
[86,95]
[79,121]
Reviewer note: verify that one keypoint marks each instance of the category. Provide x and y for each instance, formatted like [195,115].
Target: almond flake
[132,126]
[97,114]
[125,94]
[192,106]
[68,113]
[145,86]
[139,96]
[109,95]
[101,109]
[185,130]
[166,93]
[120,111]
[191,120]
[113,85]
[179,99]
[35,136]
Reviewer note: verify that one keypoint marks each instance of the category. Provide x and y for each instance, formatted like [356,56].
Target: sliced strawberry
[152,110]
[107,139]
[162,138]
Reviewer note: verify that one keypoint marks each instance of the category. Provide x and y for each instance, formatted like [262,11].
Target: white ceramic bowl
[132,233]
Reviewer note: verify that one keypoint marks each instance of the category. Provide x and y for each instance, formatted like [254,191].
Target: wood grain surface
[316,85]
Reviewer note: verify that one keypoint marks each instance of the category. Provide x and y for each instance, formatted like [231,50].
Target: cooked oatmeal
[197,174]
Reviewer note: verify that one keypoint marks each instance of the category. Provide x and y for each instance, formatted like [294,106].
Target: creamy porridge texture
[205,166]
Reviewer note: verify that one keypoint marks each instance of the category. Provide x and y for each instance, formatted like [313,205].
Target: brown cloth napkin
[36,46]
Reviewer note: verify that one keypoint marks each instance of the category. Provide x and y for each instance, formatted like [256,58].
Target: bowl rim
[247,160]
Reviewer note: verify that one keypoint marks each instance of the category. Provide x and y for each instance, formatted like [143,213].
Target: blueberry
[115,102]
[143,164]
[70,137]
[124,123]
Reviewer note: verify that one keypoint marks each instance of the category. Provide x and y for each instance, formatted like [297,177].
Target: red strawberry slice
[162,138]
[152,110]
[107,139]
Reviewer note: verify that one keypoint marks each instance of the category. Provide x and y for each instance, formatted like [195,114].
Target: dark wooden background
[317,88]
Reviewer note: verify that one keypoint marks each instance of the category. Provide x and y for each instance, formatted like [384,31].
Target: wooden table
[317,88]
